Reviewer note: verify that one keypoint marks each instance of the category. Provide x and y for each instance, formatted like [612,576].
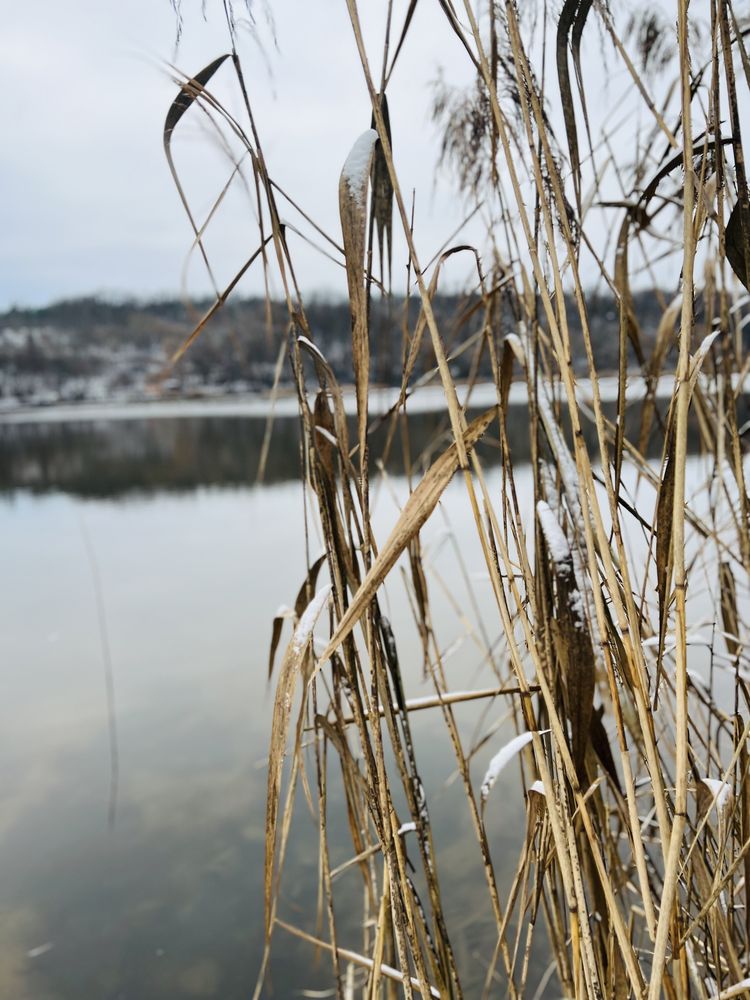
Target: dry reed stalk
[634,851]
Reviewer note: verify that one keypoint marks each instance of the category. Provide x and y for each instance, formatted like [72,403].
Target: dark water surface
[104,457]
[192,560]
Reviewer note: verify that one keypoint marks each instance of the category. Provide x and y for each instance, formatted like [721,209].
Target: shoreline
[426,399]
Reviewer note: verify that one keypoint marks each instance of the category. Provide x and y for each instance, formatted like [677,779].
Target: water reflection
[109,458]
[168,905]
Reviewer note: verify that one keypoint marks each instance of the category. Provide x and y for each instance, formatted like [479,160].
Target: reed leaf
[729,611]
[381,210]
[600,562]
[736,236]
[571,22]
[353,211]
[417,509]
[291,669]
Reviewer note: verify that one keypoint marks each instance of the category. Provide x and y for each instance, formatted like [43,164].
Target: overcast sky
[88,205]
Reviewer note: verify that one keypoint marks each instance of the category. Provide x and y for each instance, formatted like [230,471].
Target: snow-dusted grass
[634,852]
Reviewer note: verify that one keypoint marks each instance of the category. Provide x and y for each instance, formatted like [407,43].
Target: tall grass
[635,861]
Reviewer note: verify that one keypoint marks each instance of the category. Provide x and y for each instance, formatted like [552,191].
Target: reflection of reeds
[637,847]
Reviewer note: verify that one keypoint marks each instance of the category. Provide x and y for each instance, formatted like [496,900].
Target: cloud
[92,206]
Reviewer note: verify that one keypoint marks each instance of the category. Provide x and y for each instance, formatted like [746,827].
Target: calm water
[192,561]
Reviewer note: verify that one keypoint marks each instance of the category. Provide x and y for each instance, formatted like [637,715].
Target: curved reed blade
[417,509]
[736,236]
[382,196]
[353,211]
[571,22]
[593,550]
[190,92]
[291,668]
[402,37]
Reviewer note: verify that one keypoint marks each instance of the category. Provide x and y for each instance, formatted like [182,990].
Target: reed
[633,866]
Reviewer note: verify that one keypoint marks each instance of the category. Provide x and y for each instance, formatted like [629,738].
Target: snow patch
[357,164]
[502,757]
[557,543]
[40,950]
[310,615]
[312,347]
[720,790]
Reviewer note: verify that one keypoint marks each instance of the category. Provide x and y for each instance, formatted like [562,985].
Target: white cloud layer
[88,203]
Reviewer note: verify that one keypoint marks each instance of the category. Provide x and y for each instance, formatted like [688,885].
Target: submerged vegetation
[620,595]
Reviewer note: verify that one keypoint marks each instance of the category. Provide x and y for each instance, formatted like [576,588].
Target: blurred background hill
[94,349]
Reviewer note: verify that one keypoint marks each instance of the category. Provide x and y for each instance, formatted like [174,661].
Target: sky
[88,203]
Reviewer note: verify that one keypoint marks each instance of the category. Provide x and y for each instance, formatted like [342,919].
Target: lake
[142,558]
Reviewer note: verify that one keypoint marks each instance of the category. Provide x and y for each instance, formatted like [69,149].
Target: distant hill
[91,348]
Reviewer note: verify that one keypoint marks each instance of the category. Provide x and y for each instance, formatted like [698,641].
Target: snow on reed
[502,757]
[357,164]
[309,616]
[557,543]
[721,792]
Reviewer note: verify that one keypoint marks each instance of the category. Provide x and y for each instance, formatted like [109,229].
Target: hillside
[94,349]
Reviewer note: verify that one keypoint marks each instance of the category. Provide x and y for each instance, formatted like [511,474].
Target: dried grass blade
[189,93]
[734,235]
[382,196]
[571,637]
[402,36]
[700,356]
[664,507]
[304,597]
[208,315]
[307,590]
[743,986]
[744,793]
[357,959]
[417,509]
[729,615]
[282,707]
[572,17]
[353,211]
[737,233]
[278,623]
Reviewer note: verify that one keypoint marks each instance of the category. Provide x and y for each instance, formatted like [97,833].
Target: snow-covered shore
[426,399]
